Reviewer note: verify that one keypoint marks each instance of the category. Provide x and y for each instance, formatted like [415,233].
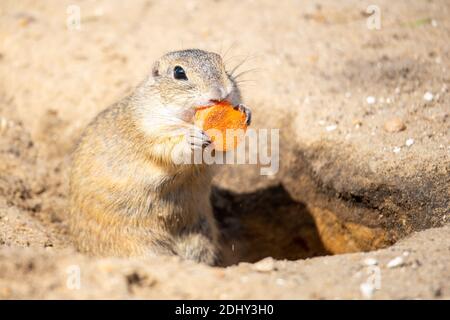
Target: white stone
[409,142]
[428,96]
[367,290]
[264,265]
[396,262]
[370,100]
[370,262]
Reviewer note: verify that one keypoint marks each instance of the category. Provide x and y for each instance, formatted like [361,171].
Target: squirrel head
[186,79]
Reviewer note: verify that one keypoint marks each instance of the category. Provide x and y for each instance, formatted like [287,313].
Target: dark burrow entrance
[265,223]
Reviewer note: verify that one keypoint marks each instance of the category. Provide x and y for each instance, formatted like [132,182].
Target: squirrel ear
[155,69]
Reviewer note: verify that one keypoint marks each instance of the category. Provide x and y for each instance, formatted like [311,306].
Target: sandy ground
[314,70]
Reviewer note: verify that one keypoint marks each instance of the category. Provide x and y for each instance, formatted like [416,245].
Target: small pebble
[409,142]
[331,128]
[370,262]
[367,290]
[428,96]
[264,265]
[396,149]
[394,125]
[396,262]
[370,100]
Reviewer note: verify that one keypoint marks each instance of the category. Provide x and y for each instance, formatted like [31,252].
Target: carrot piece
[222,121]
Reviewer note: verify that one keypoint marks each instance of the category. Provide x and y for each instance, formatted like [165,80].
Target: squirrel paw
[194,142]
[248,113]
[197,139]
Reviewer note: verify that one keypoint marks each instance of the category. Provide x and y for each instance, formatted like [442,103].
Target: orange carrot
[221,120]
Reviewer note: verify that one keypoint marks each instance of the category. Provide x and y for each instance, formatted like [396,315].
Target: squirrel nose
[217,94]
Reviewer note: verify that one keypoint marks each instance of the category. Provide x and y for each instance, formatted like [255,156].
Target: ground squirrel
[127,196]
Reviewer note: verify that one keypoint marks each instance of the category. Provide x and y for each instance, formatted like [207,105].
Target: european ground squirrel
[127,196]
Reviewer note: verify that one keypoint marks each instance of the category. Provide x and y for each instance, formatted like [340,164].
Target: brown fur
[127,197]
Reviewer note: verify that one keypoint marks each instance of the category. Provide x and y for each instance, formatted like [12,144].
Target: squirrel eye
[179,73]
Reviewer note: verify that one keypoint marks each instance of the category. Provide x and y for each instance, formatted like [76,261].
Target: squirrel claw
[248,113]
[198,139]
